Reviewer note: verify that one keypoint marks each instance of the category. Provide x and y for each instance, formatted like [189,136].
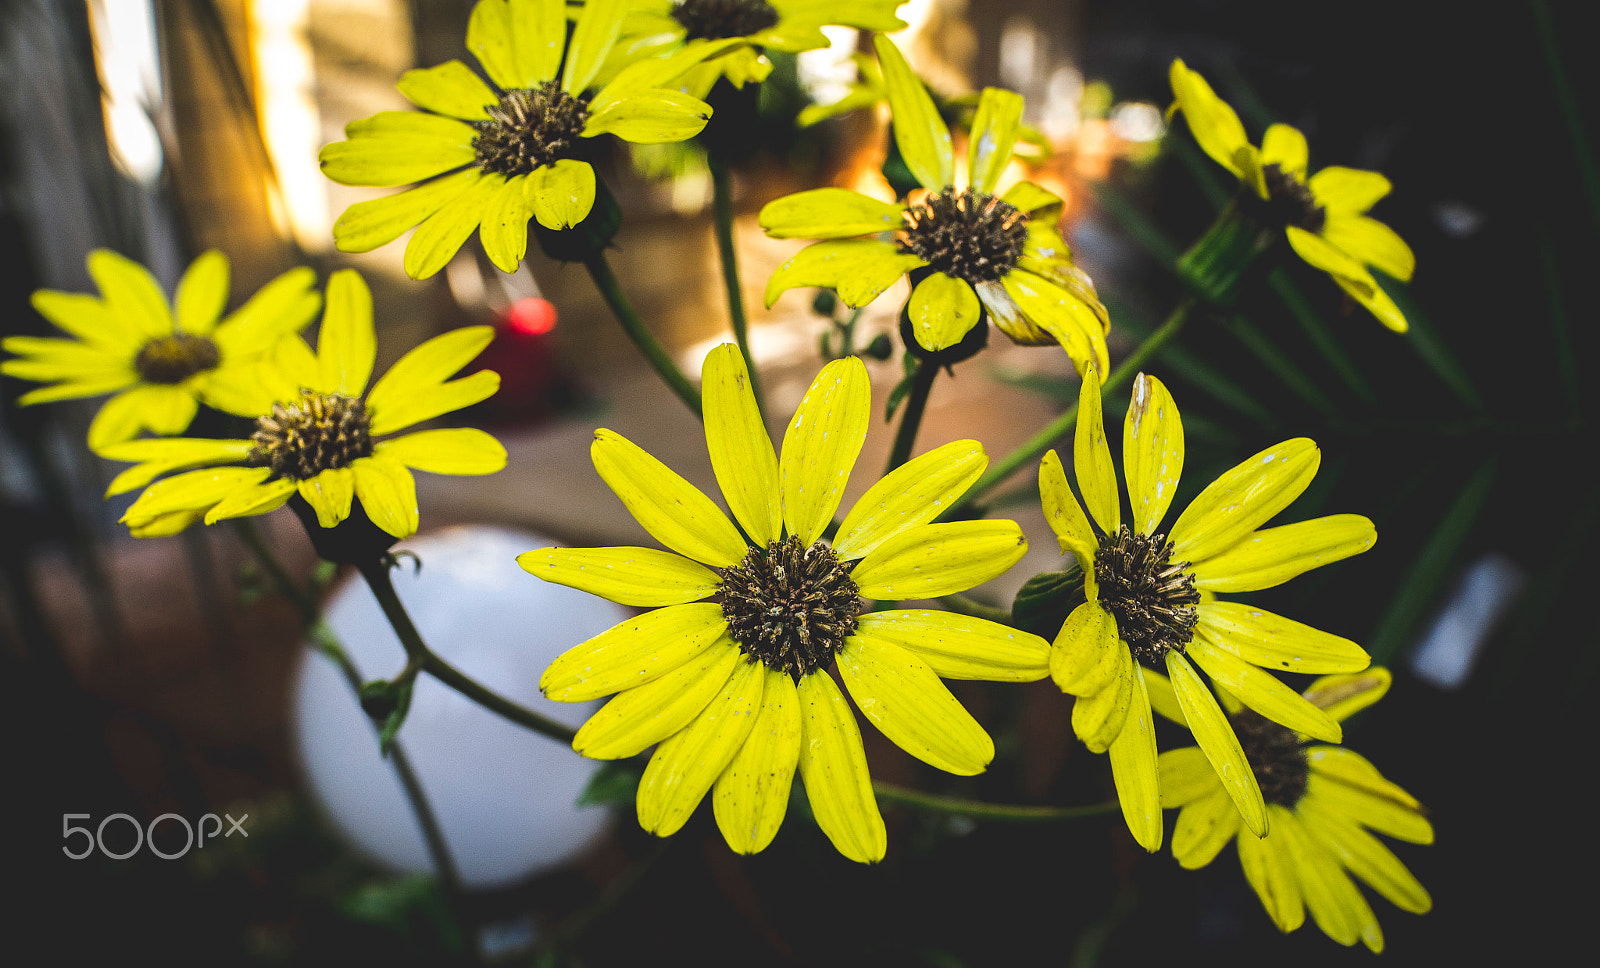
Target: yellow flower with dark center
[736,689]
[1323,216]
[161,362]
[490,158]
[1150,597]
[965,247]
[655,28]
[1321,800]
[318,431]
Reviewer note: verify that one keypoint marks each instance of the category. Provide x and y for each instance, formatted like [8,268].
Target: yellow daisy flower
[161,362]
[1150,597]
[1323,216]
[736,689]
[317,430]
[1321,799]
[964,248]
[659,27]
[491,157]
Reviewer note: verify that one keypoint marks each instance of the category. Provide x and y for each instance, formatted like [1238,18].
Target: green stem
[1316,329]
[981,810]
[911,420]
[654,353]
[377,576]
[722,205]
[1276,363]
[977,609]
[1571,112]
[1042,441]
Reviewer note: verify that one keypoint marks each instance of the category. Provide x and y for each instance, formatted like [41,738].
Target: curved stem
[722,204]
[911,420]
[377,576]
[1042,441]
[977,609]
[654,353]
[982,810]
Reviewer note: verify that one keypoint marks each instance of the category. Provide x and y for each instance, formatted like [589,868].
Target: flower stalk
[655,354]
[722,204]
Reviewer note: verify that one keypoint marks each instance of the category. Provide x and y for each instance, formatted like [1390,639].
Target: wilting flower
[318,429]
[1144,592]
[963,247]
[1323,216]
[736,689]
[489,158]
[1321,800]
[161,362]
[660,27]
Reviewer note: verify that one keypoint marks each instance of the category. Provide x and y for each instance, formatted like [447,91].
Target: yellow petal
[1069,320]
[441,235]
[504,230]
[202,293]
[1262,691]
[907,702]
[1270,872]
[1342,696]
[1097,476]
[828,213]
[454,450]
[1285,147]
[651,116]
[687,763]
[166,525]
[1272,556]
[1204,827]
[1087,654]
[164,410]
[193,491]
[1271,641]
[858,269]
[329,494]
[938,559]
[1214,124]
[833,766]
[1098,719]
[942,309]
[562,194]
[628,576]
[914,493]
[994,132]
[157,457]
[538,38]
[1043,206]
[1319,253]
[450,88]
[1347,190]
[596,30]
[1066,518]
[131,293]
[346,345]
[741,452]
[960,646]
[1186,776]
[1352,769]
[919,132]
[820,447]
[365,226]
[388,161]
[647,714]
[419,373]
[291,367]
[674,511]
[1335,904]
[633,652]
[1371,296]
[1133,769]
[1243,499]
[75,389]
[489,39]
[1216,737]
[752,795]
[388,494]
[89,319]
[251,500]
[1366,857]
[1162,699]
[1152,452]
[1381,813]
[1372,243]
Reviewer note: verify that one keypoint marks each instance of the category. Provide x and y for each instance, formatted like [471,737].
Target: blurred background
[160,677]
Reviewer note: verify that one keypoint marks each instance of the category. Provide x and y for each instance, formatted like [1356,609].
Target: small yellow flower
[973,247]
[1323,216]
[1321,799]
[490,158]
[161,362]
[736,690]
[317,428]
[656,28]
[1150,597]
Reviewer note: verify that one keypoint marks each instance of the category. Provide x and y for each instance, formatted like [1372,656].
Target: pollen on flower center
[788,606]
[320,432]
[967,234]
[528,129]
[720,19]
[1290,202]
[1152,598]
[175,358]
[1276,757]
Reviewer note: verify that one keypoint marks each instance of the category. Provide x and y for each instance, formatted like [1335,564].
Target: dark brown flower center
[1289,201]
[790,607]
[1276,757]
[175,358]
[319,432]
[719,19]
[969,235]
[1152,597]
[528,129]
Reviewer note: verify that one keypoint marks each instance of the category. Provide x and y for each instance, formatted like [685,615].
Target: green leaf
[614,783]
[1045,601]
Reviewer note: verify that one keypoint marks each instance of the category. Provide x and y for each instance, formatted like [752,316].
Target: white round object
[506,797]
